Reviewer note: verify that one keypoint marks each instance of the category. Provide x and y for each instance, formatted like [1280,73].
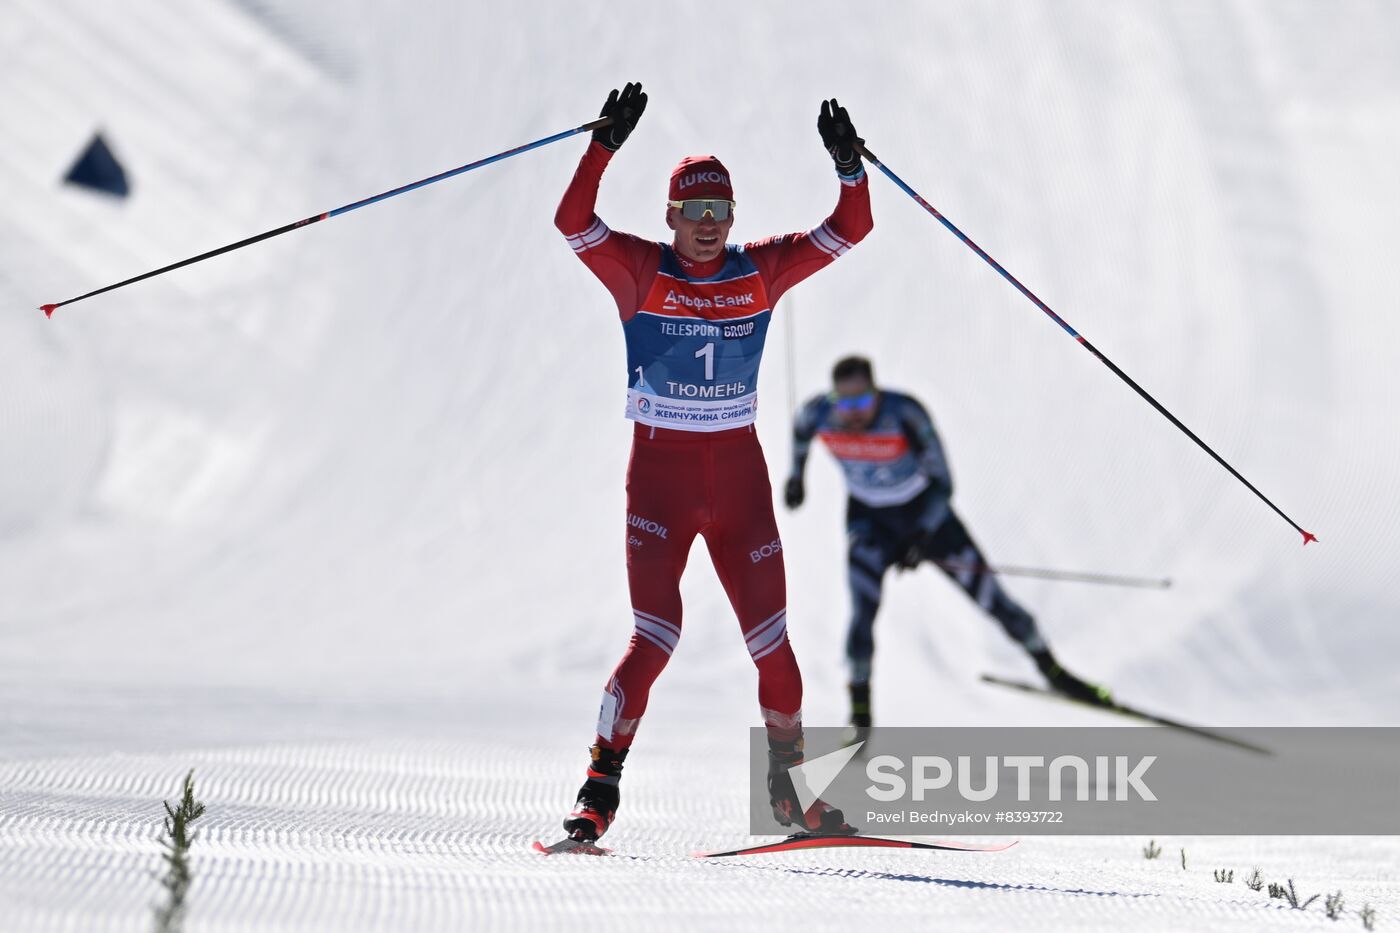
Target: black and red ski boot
[820,817]
[598,797]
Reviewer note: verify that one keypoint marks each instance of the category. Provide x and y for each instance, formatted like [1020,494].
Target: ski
[834,840]
[1128,711]
[571,847]
[791,844]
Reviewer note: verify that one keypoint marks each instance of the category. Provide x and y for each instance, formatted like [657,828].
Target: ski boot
[598,797]
[1066,683]
[820,817]
[859,729]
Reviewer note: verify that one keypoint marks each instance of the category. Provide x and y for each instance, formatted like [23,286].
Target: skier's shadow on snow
[953,882]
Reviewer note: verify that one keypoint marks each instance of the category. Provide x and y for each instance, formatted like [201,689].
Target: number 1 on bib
[708,352]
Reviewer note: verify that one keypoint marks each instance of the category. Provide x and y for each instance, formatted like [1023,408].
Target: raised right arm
[622,262]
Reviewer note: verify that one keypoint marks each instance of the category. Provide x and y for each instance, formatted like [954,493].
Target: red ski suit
[681,483]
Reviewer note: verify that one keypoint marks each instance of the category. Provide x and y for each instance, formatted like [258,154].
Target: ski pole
[587,127]
[790,333]
[1066,575]
[1307,536]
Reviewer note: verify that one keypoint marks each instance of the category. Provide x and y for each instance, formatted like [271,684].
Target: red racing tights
[680,484]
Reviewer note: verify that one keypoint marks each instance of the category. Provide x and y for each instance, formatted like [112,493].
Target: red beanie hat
[701,177]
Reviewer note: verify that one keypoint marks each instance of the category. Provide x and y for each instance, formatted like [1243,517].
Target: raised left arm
[783,261]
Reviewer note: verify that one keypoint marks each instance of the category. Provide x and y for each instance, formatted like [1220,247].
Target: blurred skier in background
[898,513]
[695,313]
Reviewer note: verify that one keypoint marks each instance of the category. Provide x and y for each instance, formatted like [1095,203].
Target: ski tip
[48,309]
[1308,536]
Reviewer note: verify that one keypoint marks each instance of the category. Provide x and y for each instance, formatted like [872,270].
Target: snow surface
[334,520]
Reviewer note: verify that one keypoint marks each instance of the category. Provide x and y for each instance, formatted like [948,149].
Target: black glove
[625,109]
[839,137]
[794,492]
[913,557]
